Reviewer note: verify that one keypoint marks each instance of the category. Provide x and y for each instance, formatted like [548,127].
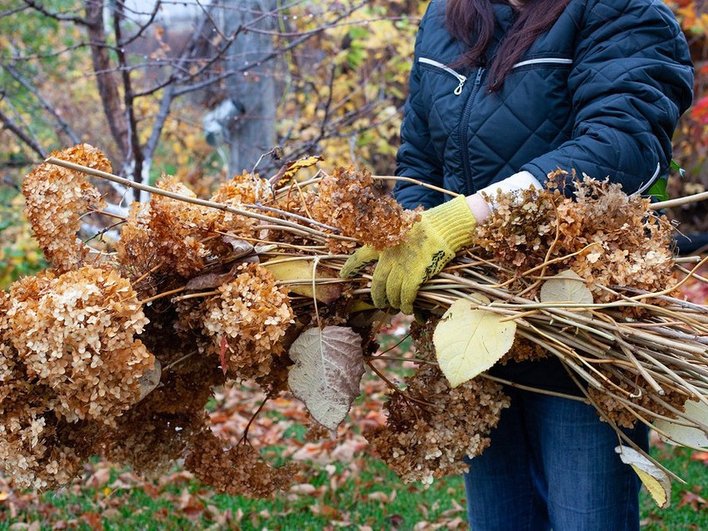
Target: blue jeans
[552,465]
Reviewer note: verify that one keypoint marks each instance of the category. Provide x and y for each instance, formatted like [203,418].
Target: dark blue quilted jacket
[600,92]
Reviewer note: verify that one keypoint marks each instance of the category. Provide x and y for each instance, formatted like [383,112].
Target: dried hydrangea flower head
[31,454]
[75,333]
[55,200]
[244,189]
[350,201]
[424,441]
[247,322]
[238,470]
[618,239]
[167,230]
[610,408]
[7,351]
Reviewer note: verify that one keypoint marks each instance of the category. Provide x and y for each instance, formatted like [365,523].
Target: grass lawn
[361,494]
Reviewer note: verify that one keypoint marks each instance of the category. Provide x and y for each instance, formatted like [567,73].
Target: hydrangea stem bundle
[590,280]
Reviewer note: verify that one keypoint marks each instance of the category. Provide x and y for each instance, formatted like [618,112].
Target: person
[501,94]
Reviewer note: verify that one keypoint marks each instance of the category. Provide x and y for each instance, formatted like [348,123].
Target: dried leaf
[150,379]
[209,281]
[566,286]
[297,165]
[240,247]
[300,271]
[685,435]
[468,341]
[329,364]
[653,478]
[693,500]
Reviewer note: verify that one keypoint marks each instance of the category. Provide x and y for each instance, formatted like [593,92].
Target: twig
[680,201]
[196,201]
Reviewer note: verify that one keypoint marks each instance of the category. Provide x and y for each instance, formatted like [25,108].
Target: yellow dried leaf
[296,166]
[686,435]
[298,274]
[469,341]
[566,286]
[655,480]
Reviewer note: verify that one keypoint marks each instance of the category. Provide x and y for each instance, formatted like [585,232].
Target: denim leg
[500,490]
[589,488]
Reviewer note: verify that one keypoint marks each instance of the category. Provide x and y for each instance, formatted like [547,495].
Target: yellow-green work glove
[430,244]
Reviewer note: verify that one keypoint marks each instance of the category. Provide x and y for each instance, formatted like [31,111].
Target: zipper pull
[458,89]
[478,78]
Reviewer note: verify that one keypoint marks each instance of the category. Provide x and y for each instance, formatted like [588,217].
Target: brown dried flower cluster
[155,433]
[31,452]
[75,334]
[524,350]
[8,355]
[244,189]
[238,470]
[615,411]
[184,237]
[432,428]
[166,231]
[247,322]
[55,200]
[350,201]
[618,238]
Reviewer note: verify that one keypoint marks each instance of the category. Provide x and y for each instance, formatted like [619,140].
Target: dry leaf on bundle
[686,435]
[655,480]
[301,270]
[469,341]
[566,286]
[329,364]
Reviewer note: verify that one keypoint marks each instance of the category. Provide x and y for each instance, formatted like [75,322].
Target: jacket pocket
[559,61]
[440,67]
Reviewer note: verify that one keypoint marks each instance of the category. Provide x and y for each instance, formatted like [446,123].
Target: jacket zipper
[460,78]
[545,60]
[464,148]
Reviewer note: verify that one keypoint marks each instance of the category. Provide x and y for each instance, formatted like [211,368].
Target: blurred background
[205,89]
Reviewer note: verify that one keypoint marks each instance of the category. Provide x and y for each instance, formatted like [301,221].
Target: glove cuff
[454,222]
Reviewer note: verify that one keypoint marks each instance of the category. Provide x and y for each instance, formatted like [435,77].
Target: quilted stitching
[611,113]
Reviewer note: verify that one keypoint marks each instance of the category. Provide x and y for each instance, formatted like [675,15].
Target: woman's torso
[482,137]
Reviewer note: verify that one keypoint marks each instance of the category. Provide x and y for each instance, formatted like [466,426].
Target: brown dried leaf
[329,364]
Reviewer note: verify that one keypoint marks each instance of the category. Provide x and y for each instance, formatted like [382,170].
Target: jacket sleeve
[416,157]
[630,82]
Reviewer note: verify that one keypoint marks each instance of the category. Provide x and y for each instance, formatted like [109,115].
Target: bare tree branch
[169,94]
[134,149]
[47,106]
[143,27]
[22,135]
[275,53]
[106,81]
[56,16]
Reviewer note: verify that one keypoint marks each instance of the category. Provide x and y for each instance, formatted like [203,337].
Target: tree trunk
[252,132]
[105,76]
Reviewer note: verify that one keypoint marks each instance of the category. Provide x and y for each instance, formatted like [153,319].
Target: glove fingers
[378,283]
[393,286]
[357,261]
[409,292]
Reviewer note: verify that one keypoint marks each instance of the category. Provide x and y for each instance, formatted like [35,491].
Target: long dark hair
[472,22]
